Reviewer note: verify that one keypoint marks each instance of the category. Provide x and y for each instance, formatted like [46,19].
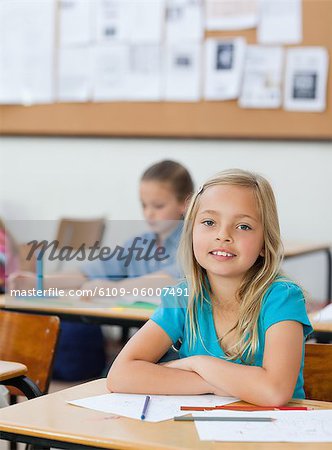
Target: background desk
[79,310]
[295,250]
[50,421]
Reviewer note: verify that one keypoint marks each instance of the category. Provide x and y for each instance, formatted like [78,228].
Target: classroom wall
[48,178]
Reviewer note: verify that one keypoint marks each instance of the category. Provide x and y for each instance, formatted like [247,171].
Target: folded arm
[135,370]
[271,384]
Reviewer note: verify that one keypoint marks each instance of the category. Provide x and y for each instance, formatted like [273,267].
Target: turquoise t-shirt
[282,301]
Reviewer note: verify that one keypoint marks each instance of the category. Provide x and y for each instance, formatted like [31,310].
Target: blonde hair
[257,279]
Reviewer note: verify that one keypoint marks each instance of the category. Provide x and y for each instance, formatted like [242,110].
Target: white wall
[47,178]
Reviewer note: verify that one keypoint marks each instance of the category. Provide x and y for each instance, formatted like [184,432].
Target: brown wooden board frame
[190,120]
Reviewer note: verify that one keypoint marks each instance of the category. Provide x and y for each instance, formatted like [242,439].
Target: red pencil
[245,408]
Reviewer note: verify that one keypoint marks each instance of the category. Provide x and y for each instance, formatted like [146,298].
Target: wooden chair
[318,372]
[26,264]
[74,233]
[31,340]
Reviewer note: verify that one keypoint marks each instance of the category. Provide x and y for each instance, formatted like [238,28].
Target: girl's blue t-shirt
[283,300]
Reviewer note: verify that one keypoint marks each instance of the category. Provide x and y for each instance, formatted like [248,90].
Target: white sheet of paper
[112,21]
[324,315]
[289,426]
[280,22]
[306,79]
[76,22]
[145,20]
[111,67]
[223,68]
[231,14]
[161,407]
[261,87]
[184,21]
[75,74]
[27,44]
[183,72]
[144,76]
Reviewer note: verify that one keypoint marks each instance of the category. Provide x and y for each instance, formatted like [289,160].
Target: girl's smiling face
[227,231]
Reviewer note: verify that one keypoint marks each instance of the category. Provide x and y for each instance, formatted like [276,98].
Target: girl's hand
[21,280]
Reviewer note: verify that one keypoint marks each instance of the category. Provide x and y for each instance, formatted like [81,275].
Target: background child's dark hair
[173,173]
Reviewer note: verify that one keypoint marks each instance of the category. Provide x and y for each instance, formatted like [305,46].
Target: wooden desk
[294,250]
[79,310]
[50,421]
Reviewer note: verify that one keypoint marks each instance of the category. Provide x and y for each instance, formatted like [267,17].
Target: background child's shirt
[282,301]
[114,269]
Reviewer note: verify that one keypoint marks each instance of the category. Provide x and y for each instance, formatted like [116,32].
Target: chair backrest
[318,372]
[25,263]
[31,340]
[74,233]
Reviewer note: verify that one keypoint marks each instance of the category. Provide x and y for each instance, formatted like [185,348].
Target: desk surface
[76,307]
[52,418]
[91,309]
[298,248]
[10,369]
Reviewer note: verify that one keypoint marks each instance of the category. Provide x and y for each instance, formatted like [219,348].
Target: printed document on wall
[224,60]
[306,79]
[183,72]
[76,22]
[144,77]
[184,21]
[146,20]
[111,67]
[261,87]
[112,20]
[75,74]
[27,51]
[280,22]
[231,14]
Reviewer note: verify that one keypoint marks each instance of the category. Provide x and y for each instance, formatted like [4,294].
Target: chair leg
[25,385]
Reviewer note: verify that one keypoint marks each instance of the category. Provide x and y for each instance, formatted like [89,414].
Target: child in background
[241,323]
[8,255]
[164,190]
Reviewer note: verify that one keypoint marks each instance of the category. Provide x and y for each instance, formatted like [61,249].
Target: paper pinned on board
[161,407]
[280,22]
[306,79]
[27,52]
[262,79]
[76,22]
[144,76]
[145,21]
[183,72]
[112,21]
[111,67]
[288,426]
[75,74]
[231,14]
[223,68]
[184,21]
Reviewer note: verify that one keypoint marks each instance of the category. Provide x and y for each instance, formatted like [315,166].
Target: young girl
[242,325]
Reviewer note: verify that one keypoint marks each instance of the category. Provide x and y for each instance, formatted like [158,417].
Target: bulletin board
[187,120]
